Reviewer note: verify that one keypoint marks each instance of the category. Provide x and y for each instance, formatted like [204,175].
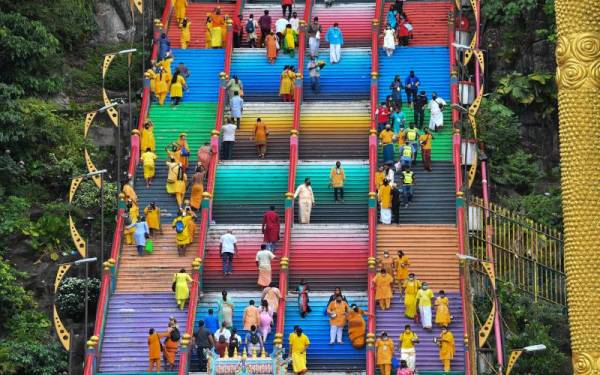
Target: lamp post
[515,354]
[118,142]
[100,173]
[87,271]
[86,261]
[488,267]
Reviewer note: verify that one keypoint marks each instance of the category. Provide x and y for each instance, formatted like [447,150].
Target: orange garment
[251,317]
[271,44]
[154,345]
[356,328]
[260,133]
[402,268]
[383,286]
[170,350]
[387,263]
[340,309]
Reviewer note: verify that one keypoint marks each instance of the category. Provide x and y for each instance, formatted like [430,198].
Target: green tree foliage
[545,208]
[26,346]
[527,323]
[30,55]
[70,298]
[535,92]
[511,13]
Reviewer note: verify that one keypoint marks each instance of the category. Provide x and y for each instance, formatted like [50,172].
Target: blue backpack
[179,226]
[250,26]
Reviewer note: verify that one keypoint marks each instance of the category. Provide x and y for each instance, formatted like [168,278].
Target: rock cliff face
[115,22]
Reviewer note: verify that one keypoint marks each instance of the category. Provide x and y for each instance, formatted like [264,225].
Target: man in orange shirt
[337,311]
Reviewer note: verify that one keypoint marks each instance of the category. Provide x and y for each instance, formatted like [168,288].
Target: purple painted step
[393,321]
[130,316]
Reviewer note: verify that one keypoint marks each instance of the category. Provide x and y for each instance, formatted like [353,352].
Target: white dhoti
[335,50]
[425,316]
[305,209]
[313,44]
[436,120]
[386,215]
[410,356]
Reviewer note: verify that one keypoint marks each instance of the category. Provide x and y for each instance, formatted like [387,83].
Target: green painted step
[356,187]
[355,206]
[195,119]
[442,141]
[245,190]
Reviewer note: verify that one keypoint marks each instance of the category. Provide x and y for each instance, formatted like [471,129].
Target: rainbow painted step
[334,130]
[326,210]
[353,19]
[245,190]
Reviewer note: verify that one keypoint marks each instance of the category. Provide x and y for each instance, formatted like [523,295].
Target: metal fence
[527,254]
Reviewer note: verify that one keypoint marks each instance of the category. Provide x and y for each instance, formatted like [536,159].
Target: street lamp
[515,354]
[118,142]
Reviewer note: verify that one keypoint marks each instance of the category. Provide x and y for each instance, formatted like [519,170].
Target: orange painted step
[197,13]
[154,272]
[431,249]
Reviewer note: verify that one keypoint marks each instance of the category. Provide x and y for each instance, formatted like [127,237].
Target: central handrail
[372,193]
[107,285]
[205,216]
[289,196]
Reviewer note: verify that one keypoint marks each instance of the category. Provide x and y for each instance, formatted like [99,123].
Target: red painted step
[197,13]
[327,256]
[430,22]
[354,20]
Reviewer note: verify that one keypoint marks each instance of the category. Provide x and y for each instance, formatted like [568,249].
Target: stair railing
[289,196]
[372,218]
[110,267]
[206,207]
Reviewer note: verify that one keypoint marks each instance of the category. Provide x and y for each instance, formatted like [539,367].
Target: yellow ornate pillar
[578,78]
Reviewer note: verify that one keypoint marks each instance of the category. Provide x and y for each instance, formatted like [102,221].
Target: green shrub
[70,298]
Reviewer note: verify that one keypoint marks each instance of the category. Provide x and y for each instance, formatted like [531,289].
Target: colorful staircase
[245,274]
[334,130]
[348,80]
[260,79]
[278,118]
[329,255]
[354,20]
[245,190]
[197,14]
[321,356]
[427,233]
[326,210]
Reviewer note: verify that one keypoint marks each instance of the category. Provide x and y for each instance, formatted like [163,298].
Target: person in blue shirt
[398,119]
[336,40]
[164,46]
[396,87]
[411,86]
[392,17]
[211,322]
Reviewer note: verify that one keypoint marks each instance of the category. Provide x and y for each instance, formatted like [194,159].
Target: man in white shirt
[436,109]
[306,200]
[280,26]
[228,249]
[295,22]
[223,331]
[263,261]
[228,131]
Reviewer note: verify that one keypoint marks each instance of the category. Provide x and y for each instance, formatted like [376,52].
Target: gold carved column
[578,78]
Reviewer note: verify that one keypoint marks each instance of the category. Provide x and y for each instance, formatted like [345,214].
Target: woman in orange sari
[170,353]
[271,46]
[356,327]
[260,137]
[197,187]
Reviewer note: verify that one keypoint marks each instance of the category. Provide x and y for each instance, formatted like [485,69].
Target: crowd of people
[394,275]
[393,129]
[398,29]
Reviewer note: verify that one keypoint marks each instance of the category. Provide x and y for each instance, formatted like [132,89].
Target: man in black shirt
[203,339]
[419,108]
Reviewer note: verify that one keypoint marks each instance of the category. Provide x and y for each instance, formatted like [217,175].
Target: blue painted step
[350,79]
[260,79]
[431,65]
[321,355]
[204,66]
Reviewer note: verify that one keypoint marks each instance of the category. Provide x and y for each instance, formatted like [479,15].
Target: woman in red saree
[303,290]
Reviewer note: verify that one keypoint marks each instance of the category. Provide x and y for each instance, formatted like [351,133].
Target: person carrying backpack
[251,26]
[253,341]
[182,233]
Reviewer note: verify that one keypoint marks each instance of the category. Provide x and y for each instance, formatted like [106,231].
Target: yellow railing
[527,254]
